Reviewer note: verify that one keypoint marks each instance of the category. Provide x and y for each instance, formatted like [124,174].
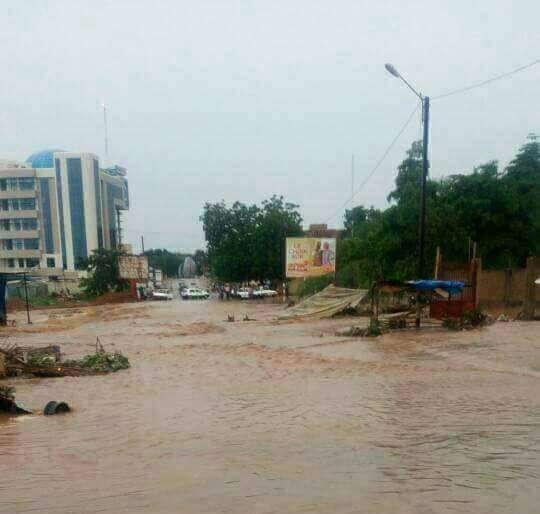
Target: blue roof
[43,159]
[430,285]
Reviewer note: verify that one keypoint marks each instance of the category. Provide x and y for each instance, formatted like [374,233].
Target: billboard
[310,256]
[133,267]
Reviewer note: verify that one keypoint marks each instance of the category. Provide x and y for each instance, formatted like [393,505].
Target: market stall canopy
[428,286]
[326,303]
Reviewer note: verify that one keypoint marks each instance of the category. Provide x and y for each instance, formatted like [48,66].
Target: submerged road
[264,417]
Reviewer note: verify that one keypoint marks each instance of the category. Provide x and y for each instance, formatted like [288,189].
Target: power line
[376,167]
[488,81]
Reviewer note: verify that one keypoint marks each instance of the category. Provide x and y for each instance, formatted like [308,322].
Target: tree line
[499,209]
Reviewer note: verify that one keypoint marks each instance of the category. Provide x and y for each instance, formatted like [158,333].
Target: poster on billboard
[310,256]
[133,267]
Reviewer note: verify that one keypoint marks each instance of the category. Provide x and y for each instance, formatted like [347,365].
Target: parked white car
[161,294]
[243,293]
[267,293]
[193,293]
[257,293]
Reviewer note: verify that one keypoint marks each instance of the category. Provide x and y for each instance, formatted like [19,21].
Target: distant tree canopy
[166,261]
[247,241]
[201,260]
[500,210]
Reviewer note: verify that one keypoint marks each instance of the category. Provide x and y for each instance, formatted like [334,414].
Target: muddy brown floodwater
[263,417]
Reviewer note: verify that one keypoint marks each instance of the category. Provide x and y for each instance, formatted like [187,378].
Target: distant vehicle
[267,293]
[242,293]
[193,293]
[161,294]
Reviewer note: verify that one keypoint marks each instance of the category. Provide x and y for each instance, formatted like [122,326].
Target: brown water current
[264,417]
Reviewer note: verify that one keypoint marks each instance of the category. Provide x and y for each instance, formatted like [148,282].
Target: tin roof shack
[445,300]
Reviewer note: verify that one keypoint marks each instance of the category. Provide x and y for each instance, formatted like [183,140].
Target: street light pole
[425,168]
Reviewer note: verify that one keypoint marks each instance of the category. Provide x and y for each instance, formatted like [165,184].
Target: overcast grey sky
[240,99]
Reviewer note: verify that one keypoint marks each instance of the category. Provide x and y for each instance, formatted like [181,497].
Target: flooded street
[268,417]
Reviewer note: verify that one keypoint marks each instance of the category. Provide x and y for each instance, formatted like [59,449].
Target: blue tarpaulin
[427,286]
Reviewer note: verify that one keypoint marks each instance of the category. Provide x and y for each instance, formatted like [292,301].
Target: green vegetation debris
[105,362]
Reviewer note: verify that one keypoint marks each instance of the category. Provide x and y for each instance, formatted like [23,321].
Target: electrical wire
[485,82]
[376,167]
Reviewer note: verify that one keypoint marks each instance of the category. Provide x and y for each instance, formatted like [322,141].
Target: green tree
[103,274]
[246,241]
[498,210]
[276,220]
[167,261]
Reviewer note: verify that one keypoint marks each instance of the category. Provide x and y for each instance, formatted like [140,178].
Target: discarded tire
[56,408]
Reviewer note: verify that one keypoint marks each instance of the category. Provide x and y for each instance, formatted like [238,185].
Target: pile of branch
[47,361]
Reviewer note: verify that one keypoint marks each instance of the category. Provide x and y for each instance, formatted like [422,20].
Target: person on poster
[318,255]
[328,256]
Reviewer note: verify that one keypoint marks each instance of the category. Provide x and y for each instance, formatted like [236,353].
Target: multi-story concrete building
[56,208]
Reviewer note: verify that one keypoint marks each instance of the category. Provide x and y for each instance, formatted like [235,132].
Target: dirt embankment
[70,318]
[17,304]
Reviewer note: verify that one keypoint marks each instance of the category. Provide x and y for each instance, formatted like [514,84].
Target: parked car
[267,293]
[242,293]
[194,293]
[161,294]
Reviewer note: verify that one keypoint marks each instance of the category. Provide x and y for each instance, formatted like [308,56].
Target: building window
[51,262]
[76,208]
[27,184]
[21,263]
[3,184]
[11,263]
[31,244]
[4,205]
[18,244]
[29,224]
[32,263]
[28,204]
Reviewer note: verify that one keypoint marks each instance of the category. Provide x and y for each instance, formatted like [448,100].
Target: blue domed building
[43,159]
[57,209]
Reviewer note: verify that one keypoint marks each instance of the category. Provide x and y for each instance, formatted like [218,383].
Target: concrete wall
[510,287]
[502,286]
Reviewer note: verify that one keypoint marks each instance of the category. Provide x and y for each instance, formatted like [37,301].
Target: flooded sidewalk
[267,417]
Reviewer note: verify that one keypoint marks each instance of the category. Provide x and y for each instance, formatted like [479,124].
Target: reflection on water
[260,417]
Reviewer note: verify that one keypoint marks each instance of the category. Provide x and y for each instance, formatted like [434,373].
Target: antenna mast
[106,134]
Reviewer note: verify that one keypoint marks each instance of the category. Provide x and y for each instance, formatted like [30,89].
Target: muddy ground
[266,416]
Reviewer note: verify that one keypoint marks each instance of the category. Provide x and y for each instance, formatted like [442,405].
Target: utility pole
[352,193]
[425,165]
[106,135]
[425,171]
[142,245]
[26,298]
